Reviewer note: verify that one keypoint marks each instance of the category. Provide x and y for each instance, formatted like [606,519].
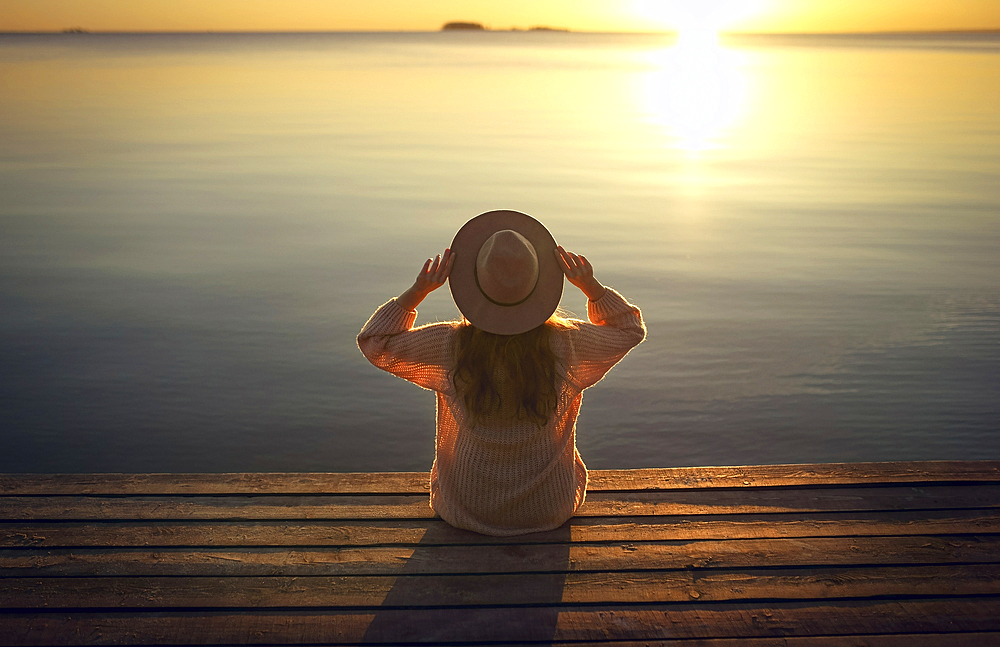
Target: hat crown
[507,268]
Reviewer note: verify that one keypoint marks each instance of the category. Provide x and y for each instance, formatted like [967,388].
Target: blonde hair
[526,363]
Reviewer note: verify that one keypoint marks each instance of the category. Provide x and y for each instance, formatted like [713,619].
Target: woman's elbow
[371,347]
[637,332]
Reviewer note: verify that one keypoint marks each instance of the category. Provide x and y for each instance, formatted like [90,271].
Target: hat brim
[479,310]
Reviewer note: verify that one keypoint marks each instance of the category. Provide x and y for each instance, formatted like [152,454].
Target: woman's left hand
[579,272]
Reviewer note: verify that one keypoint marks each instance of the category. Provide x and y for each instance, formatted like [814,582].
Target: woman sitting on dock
[510,376]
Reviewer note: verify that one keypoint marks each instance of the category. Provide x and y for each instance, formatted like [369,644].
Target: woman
[509,377]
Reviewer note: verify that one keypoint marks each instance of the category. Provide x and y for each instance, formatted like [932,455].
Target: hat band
[475,273]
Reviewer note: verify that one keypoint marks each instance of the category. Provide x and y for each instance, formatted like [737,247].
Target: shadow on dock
[539,595]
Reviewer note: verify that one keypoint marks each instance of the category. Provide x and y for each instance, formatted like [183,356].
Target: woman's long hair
[525,364]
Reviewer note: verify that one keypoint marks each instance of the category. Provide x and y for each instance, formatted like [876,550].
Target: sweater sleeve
[615,328]
[421,355]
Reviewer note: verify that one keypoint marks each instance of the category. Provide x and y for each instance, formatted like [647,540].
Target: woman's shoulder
[443,326]
[561,324]
[561,333]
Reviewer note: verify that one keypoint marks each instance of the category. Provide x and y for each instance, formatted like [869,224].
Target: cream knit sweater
[505,477]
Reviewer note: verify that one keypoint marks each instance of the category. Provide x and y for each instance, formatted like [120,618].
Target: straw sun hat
[505,279]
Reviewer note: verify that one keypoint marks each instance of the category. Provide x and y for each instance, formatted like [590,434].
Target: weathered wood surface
[598,504]
[823,475]
[431,559]
[505,624]
[894,554]
[498,589]
[428,532]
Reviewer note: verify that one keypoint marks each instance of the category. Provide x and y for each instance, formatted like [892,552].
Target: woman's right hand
[580,273]
[431,276]
[435,272]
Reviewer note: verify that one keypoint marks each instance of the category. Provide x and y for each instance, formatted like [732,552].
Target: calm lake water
[195,227]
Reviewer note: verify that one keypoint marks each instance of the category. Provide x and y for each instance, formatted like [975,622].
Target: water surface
[195,227]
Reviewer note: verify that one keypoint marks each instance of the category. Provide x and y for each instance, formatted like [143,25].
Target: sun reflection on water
[696,91]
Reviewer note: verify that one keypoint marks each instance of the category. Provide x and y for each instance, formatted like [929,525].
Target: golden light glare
[696,92]
[696,89]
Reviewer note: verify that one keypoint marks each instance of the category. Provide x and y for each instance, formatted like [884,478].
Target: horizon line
[71,31]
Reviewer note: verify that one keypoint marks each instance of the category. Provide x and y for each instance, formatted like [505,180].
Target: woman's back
[497,473]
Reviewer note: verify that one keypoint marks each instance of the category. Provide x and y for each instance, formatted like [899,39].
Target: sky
[429,15]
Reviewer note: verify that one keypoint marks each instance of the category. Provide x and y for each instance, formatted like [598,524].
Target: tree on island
[468,26]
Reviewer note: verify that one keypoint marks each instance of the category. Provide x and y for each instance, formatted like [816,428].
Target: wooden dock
[894,554]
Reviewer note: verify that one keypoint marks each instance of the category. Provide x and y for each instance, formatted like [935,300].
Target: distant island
[475,26]
[75,30]
[463,26]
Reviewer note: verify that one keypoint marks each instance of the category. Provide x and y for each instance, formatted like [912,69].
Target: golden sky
[429,15]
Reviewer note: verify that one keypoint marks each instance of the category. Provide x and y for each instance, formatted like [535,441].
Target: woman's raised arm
[390,342]
[615,325]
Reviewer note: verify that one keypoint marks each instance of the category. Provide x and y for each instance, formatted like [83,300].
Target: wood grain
[827,475]
[510,558]
[626,587]
[437,532]
[600,504]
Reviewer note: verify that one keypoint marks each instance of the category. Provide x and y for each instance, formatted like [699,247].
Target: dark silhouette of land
[475,26]
[463,26]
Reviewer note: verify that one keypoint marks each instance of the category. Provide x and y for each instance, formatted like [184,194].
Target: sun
[698,20]
[694,29]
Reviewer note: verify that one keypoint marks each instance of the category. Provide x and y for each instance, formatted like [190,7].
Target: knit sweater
[500,476]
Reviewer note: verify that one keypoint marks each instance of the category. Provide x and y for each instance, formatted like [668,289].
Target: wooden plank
[510,558]
[233,483]
[974,639]
[689,502]
[784,525]
[217,507]
[528,624]
[601,504]
[436,532]
[418,482]
[824,475]
[834,618]
[622,587]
